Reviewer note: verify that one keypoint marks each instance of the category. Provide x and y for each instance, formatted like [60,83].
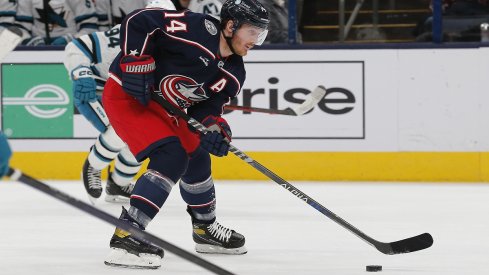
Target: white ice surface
[41,235]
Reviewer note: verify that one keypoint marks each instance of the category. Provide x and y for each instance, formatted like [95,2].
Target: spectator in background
[57,23]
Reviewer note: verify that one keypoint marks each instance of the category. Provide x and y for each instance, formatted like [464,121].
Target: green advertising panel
[37,101]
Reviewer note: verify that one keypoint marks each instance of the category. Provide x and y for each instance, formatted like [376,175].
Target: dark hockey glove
[138,76]
[216,140]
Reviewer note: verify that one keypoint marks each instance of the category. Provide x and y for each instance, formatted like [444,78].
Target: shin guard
[148,196]
[201,199]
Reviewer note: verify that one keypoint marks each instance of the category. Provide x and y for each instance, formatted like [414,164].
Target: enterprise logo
[42,95]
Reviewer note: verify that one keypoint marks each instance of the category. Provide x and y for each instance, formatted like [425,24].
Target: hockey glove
[138,76]
[5,154]
[216,140]
[84,86]
[62,40]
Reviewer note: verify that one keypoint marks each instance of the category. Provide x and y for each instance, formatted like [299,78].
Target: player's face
[246,37]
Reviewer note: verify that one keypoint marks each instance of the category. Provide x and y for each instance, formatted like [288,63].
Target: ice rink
[41,235]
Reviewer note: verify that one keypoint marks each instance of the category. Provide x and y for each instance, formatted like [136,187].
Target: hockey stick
[9,39]
[99,110]
[313,98]
[17,175]
[45,6]
[412,244]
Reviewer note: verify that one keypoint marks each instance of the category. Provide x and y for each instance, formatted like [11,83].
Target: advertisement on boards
[279,85]
[37,102]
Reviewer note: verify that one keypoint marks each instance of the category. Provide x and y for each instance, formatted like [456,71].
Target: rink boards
[389,114]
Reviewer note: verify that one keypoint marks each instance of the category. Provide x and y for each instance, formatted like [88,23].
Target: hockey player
[7,13]
[5,155]
[211,7]
[87,60]
[111,13]
[57,23]
[8,10]
[196,62]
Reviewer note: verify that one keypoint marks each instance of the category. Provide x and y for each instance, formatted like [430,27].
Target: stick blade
[408,245]
[314,97]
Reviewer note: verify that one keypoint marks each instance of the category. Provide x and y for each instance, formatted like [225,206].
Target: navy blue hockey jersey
[185,46]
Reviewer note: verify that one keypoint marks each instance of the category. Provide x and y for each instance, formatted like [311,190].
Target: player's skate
[92,181]
[127,251]
[215,238]
[116,193]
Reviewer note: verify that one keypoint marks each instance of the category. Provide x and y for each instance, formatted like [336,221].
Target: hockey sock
[148,196]
[197,187]
[126,167]
[106,148]
[201,198]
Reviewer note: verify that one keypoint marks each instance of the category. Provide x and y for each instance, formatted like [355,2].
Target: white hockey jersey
[211,7]
[111,12]
[7,12]
[96,51]
[60,17]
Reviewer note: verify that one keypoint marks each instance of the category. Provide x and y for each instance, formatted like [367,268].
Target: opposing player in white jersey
[57,23]
[8,10]
[7,13]
[111,13]
[87,60]
[211,7]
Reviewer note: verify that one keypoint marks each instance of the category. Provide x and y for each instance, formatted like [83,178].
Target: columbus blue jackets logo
[182,91]
[211,28]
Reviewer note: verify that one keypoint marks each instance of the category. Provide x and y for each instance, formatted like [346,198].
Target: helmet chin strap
[229,41]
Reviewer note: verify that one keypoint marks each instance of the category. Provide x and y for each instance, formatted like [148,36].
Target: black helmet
[244,11]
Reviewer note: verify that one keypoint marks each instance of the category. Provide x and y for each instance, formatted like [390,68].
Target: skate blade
[214,249]
[116,198]
[121,258]
[93,200]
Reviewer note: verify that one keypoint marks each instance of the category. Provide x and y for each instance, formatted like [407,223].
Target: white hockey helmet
[164,4]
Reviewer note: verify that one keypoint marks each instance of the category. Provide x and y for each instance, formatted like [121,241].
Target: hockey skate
[92,181]
[127,251]
[216,239]
[116,193]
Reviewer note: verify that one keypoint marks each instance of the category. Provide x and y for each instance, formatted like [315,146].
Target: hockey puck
[374,268]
